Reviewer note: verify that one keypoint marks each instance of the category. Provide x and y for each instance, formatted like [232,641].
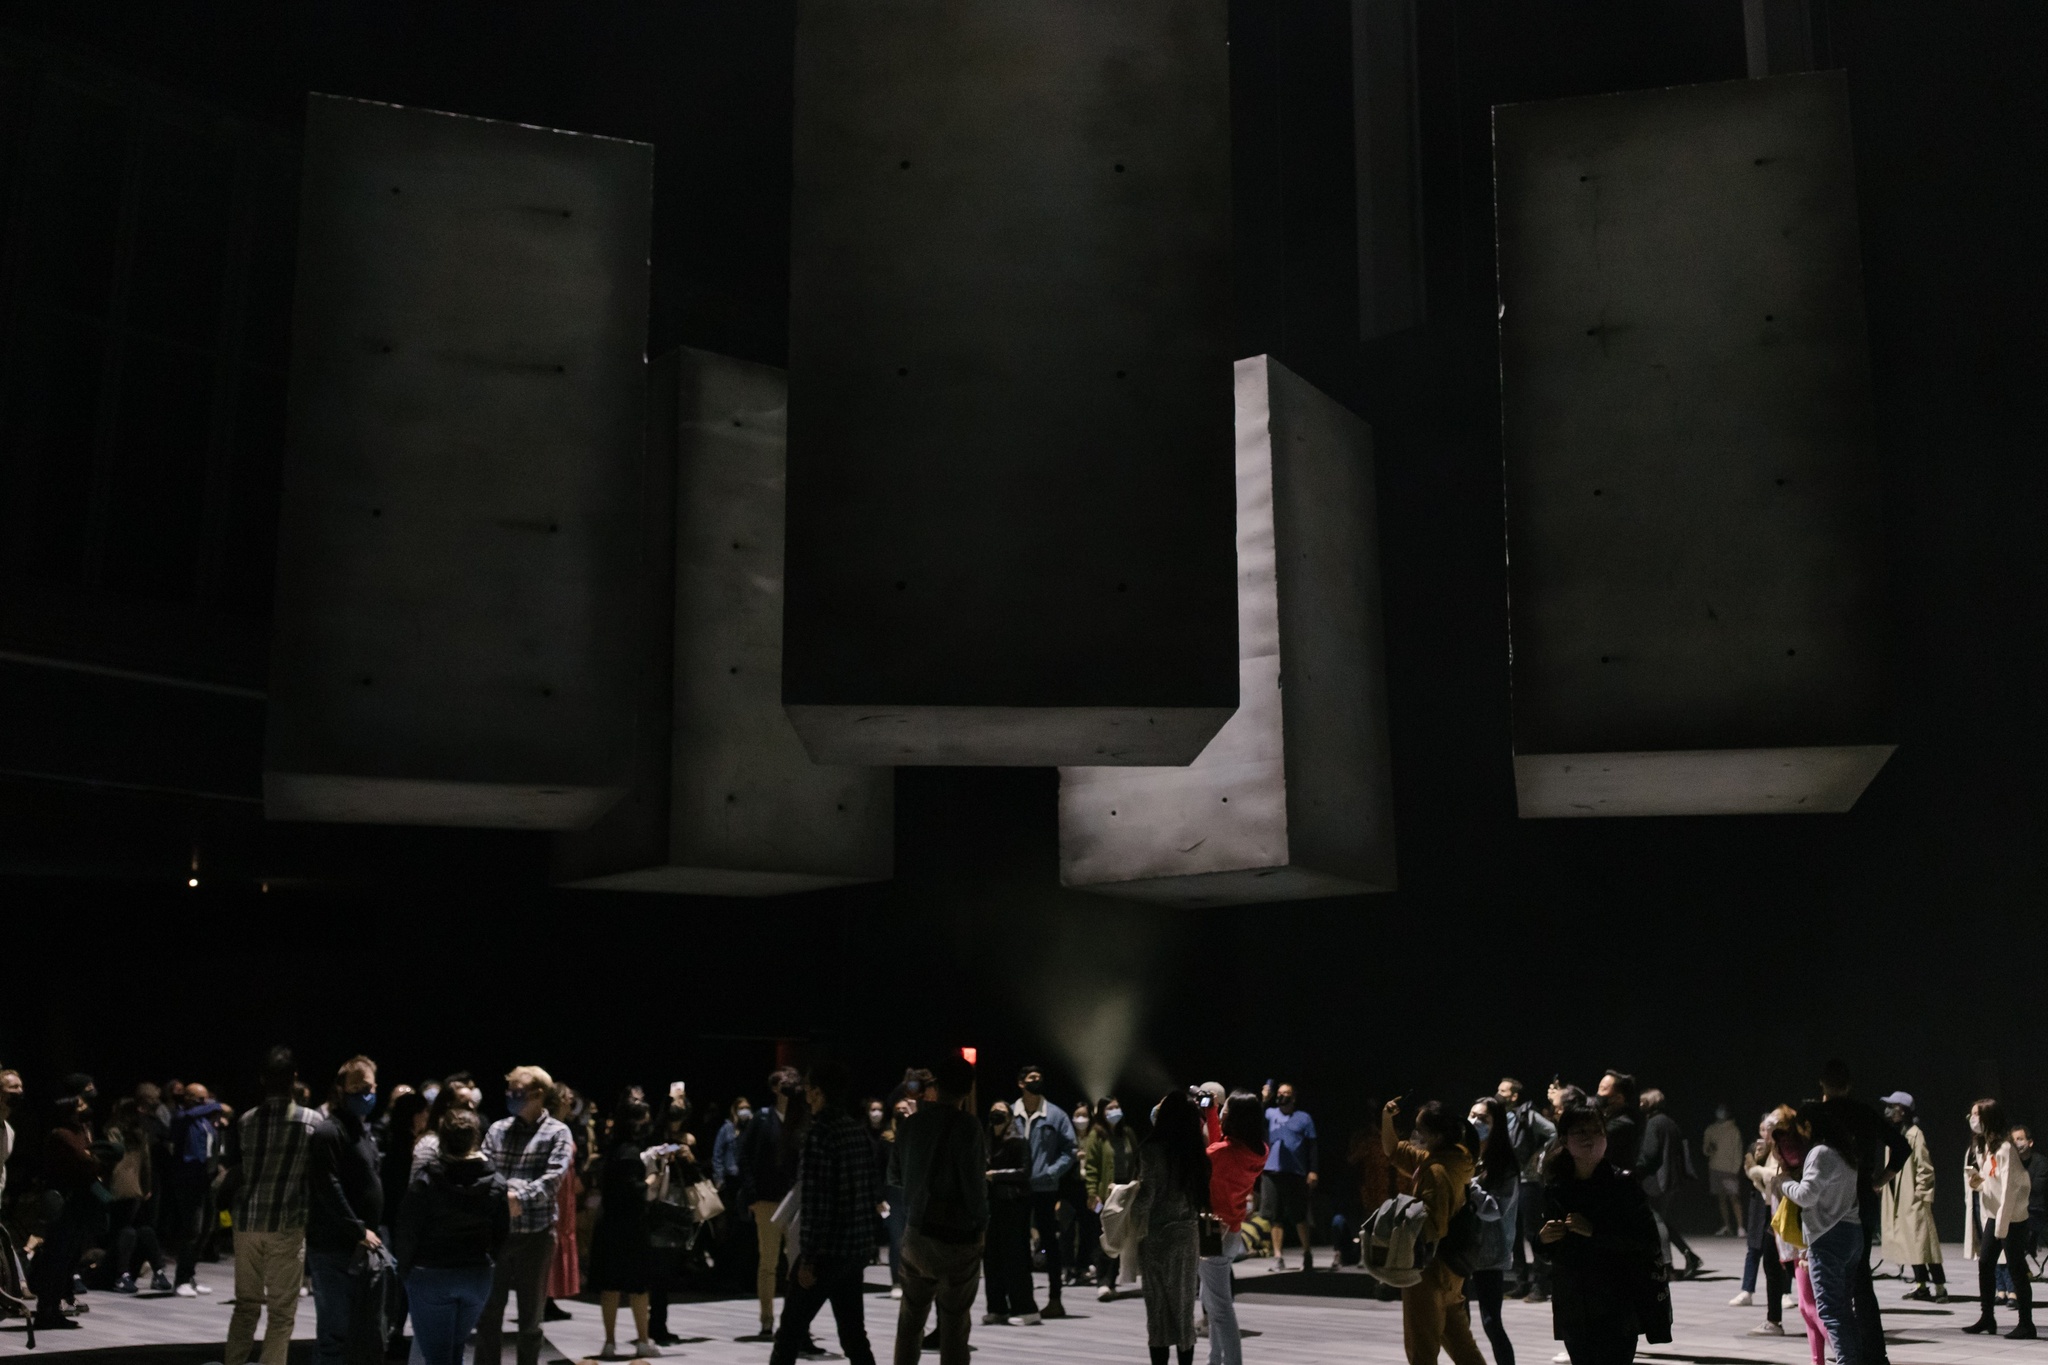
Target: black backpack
[1460,1242]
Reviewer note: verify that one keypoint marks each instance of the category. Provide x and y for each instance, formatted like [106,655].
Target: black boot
[2023,1332]
[1982,1327]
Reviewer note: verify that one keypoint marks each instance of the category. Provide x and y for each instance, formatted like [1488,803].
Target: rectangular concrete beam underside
[1293,799]
[1010,515]
[724,799]
[467,390]
[1697,587]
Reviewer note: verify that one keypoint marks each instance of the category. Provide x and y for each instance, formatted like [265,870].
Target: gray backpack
[1395,1245]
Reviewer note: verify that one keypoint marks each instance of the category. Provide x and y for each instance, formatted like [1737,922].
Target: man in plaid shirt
[534,1152]
[836,1215]
[272,1147]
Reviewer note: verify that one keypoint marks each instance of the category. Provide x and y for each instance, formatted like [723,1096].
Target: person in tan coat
[1435,1165]
[1910,1238]
[1999,1188]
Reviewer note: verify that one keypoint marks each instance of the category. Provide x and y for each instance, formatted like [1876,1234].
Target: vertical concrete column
[724,799]
[455,545]
[1293,799]
[1778,37]
[1010,509]
[1696,567]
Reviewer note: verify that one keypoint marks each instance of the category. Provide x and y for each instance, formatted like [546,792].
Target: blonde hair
[526,1077]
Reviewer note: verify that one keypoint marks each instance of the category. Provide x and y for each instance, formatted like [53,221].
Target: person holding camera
[1236,1160]
[1435,1165]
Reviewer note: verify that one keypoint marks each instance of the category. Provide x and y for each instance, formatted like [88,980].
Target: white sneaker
[1028,1320]
[646,1350]
[1279,1263]
[185,1290]
[202,1288]
[895,1291]
[1768,1329]
[305,1293]
[1106,1293]
[1561,1358]
[1742,1300]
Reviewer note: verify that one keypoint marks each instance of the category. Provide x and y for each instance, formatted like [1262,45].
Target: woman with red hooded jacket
[1235,1160]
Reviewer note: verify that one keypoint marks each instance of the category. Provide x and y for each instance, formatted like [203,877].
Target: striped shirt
[275,1152]
[535,1160]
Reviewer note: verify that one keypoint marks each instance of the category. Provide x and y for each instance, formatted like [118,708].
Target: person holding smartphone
[1602,1244]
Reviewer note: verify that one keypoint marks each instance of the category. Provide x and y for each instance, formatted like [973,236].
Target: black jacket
[347,1195]
[1606,1282]
[455,1214]
[769,1148]
[1660,1159]
[1624,1137]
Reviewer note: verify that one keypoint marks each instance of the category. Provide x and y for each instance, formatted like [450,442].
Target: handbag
[1210,1235]
[702,1200]
[1785,1223]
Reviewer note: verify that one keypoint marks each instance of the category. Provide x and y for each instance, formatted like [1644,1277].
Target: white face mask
[1977,1125]
[1080,1123]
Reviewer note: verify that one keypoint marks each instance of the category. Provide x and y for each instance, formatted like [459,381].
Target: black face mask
[1034,1087]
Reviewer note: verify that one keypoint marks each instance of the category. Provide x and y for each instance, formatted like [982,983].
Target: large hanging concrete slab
[1010,506]
[455,553]
[724,801]
[1695,562]
[1293,799]
[1383,102]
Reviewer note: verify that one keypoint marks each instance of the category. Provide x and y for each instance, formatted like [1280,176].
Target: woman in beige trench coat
[1909,1235]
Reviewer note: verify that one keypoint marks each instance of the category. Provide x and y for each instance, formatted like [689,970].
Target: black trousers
[2014,1250]
[1869,1317]
[186,1211]
[57,1259]
[1485,1287]
[667,1278]
[839,1283]
[1602,1346]
[1534,1271]
[1006,1259]
[1045,1217]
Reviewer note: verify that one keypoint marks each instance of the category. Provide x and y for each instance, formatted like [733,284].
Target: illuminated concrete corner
[467,393]
[1695,558]
[725,801]
[1293,799]
[1010,508]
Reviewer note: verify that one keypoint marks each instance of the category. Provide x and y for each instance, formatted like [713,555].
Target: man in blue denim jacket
[1049,1133]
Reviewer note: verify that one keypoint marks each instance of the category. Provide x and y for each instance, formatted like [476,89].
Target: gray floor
[1307,1331]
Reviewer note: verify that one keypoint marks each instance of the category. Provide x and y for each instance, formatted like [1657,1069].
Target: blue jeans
[1830,1261]
[446,1305]
[334,1302]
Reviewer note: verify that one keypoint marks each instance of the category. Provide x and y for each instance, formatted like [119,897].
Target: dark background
[1722,959]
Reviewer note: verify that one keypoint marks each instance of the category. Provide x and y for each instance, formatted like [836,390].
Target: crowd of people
[411,1205]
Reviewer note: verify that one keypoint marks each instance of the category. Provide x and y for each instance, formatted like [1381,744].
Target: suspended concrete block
[1695,558]
[467,392]
[1010,508]
[1293,799]
[725,801]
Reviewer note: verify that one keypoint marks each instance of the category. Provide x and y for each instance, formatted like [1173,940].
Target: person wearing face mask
[880,1138]
[1999,1191]
[1293,1169]
[1661,1161]
[1434,1165]
[1500,1175]
[272,1148]
[725,1150]
[460,1091]
[1010,1296]
[937,1162]
[346,1205]
[1109,1157]
[1722,1147]
[768,1169]
[1237,1157]
[1910,1238]
[1602,1244]
[1080,1228]
[2036,1234]
[533,1151]
[1766,1251]
[1049,1133]
[903,1102]
[1531,1132]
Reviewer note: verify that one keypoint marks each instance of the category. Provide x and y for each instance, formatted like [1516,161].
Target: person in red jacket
[1236,1159]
